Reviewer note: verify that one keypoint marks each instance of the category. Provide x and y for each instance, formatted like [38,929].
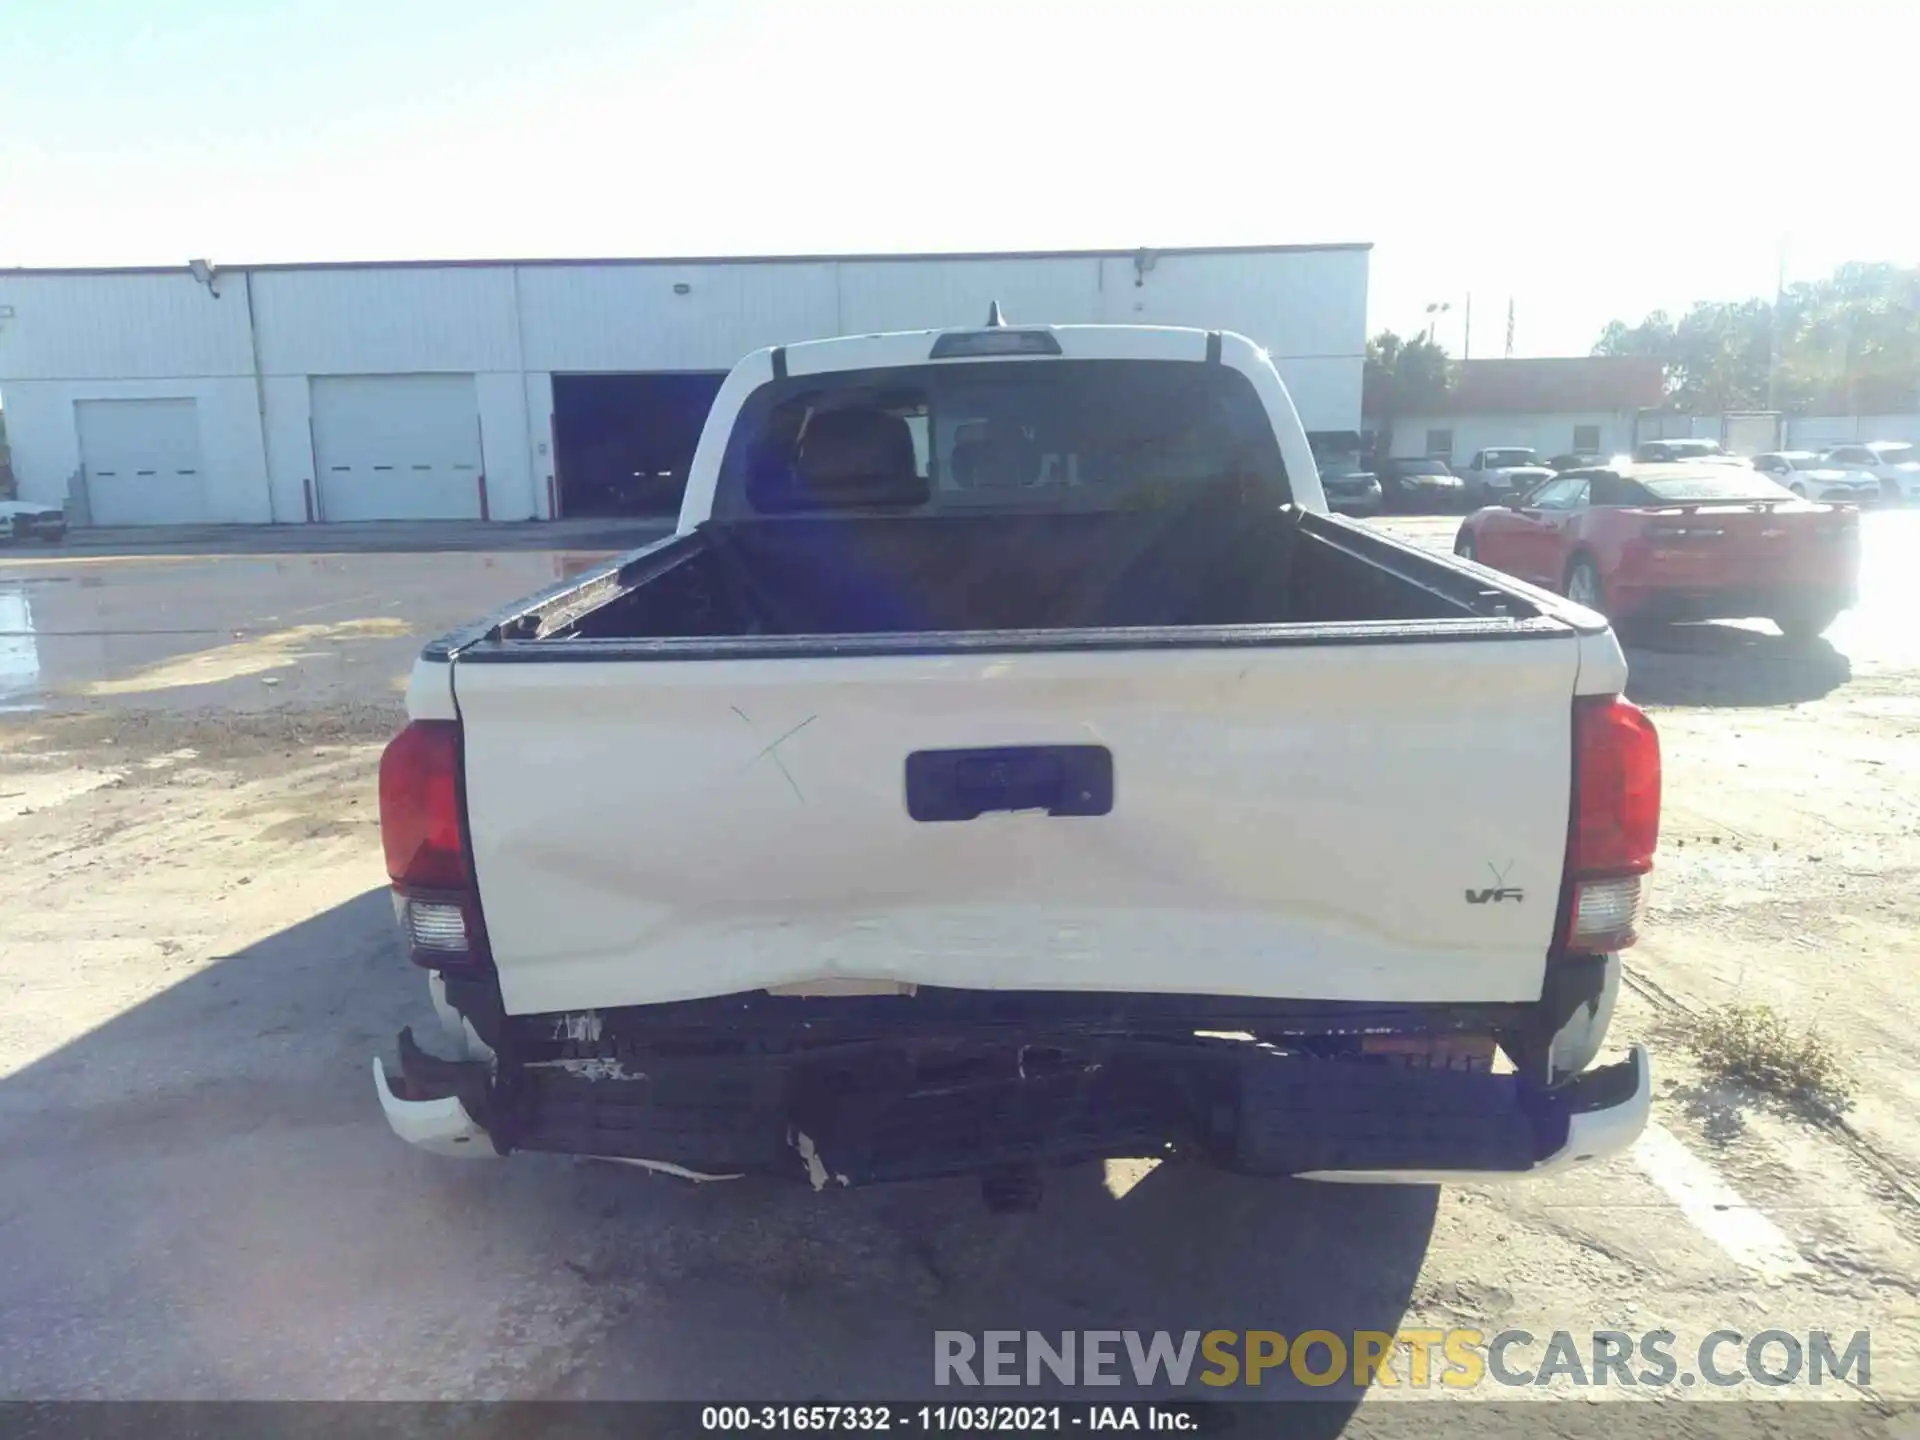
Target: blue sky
[1584,161]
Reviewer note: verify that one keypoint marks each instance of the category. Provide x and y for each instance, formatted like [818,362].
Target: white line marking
[1715,1207]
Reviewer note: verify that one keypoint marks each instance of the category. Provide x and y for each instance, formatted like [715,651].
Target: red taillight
[423,828]
[420,807]
[1616,757]
[1616,822]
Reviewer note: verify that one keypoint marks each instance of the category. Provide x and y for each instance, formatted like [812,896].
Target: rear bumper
[440,1126]
[1606,1109]
[871,1114]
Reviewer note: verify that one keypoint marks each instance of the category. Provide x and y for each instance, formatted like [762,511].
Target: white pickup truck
[1494,476]
[1008,762]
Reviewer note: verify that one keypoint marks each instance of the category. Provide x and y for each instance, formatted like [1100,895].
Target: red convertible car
[1676,542]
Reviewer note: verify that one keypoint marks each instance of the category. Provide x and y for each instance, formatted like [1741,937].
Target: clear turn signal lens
[432,925]
[1606,913]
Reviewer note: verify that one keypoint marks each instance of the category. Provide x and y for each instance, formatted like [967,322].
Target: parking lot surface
[199,1199]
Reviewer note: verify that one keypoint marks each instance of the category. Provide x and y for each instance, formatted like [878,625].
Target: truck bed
[1133,571]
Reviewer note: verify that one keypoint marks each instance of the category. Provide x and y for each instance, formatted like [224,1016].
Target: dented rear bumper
[868,1114]
[441,1125]
[1604,1110]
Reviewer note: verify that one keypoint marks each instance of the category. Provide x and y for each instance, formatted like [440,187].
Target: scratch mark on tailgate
[771,750]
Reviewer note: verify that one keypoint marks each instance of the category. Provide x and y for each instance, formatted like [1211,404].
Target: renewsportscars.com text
[1414,1359]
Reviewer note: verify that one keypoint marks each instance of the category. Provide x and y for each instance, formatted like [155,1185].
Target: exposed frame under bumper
[1598,1115]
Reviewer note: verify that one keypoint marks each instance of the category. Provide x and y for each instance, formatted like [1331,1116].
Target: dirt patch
[219,737]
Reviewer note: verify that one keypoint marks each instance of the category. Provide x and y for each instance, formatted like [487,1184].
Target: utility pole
[1509,327]
[1466,338]
[1773,328]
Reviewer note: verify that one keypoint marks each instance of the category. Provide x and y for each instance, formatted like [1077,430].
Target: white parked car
[29,520]
[1894,463]
[1043,784]
[1813,477]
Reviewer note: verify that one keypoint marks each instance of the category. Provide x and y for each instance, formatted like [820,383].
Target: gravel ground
[198,1198]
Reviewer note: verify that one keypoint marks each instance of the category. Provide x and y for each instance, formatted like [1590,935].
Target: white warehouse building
[519,390]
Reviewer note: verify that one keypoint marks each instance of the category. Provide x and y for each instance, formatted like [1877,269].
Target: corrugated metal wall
[246,353]
[122,327]
[385,322]
[933,294]
[610,318]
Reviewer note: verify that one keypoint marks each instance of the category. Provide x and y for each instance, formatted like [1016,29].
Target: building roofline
[899,256]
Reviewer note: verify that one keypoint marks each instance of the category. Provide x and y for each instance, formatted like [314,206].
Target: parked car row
[1429,483]
[1410,484]
[1880,471]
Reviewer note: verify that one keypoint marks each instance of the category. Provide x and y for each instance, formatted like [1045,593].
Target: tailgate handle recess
[966,784]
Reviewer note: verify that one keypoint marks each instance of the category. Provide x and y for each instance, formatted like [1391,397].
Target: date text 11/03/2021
[1161,1418]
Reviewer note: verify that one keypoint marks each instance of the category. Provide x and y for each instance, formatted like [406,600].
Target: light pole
[1773,328]
[1434,312]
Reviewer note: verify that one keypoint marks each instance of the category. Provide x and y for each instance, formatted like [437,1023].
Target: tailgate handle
[966,784]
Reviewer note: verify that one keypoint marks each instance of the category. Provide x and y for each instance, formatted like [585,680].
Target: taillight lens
[423,830]
[420,806]
[436,925]
[1616,756]
[1616,822]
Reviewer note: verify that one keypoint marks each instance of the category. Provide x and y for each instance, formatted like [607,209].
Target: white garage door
[397,447]
[142,459]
